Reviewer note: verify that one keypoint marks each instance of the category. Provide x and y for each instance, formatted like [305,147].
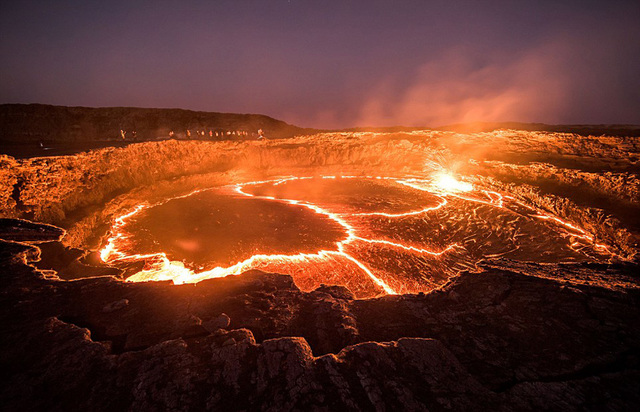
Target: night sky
[331,63]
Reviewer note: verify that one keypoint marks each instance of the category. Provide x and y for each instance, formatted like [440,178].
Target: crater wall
[534,166]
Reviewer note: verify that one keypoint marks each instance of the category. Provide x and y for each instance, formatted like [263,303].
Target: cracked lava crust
[372,234]
[435,279]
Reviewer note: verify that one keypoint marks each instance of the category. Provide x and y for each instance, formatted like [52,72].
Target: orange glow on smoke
[159,267]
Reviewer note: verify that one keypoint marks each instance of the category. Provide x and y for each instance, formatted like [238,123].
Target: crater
[374,235]
[516,273]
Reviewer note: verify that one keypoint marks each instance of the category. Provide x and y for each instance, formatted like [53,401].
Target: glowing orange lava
[444,186]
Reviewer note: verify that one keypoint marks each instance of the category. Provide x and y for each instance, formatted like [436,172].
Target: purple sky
[331,63]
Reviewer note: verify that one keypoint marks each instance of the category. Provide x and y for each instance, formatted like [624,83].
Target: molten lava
[448,183]
[392,235]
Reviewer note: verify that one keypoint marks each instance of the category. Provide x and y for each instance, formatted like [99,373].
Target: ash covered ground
[527,300]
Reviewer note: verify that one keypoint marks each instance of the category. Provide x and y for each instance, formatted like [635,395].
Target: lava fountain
[373,234]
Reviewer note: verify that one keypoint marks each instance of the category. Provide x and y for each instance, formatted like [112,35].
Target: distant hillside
[39,123]
[585,130]
[478,127]
[385,129]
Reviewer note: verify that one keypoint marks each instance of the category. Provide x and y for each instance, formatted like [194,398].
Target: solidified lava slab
[210,229]
[372,234]
[356,195]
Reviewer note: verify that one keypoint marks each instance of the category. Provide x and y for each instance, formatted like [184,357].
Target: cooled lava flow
[374,235]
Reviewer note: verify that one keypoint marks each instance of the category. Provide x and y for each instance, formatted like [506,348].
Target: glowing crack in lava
[374,235]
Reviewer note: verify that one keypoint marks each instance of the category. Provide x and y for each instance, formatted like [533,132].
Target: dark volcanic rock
[70,262]
[25,231]
[33,123]
[16,251]
[496,340]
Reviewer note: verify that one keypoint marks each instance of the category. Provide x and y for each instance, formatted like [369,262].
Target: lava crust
[551,325]
[496,339]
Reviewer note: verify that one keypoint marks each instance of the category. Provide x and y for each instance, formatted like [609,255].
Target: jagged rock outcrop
[498,340]
[24,230]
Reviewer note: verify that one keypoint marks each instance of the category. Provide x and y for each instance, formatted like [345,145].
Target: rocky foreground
[514,336]
[496,340]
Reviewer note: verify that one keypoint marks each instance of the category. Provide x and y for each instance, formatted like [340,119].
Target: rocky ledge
[496,340]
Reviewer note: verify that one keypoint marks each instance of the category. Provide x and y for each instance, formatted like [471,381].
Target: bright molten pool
[372,234]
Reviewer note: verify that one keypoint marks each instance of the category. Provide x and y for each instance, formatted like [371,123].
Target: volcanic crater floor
[374,235]
[485,292]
